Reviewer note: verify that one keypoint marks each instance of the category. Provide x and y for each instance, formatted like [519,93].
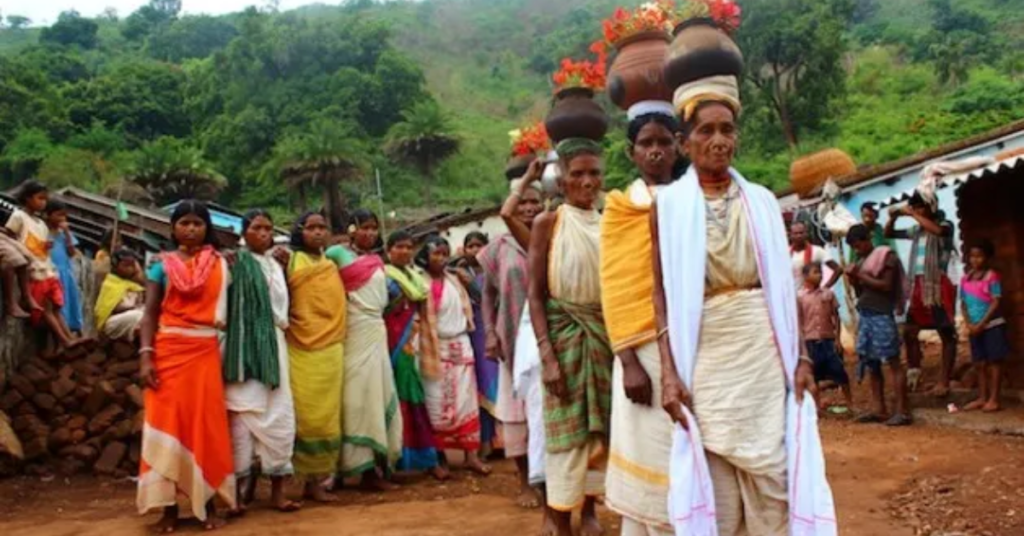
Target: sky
[44,12]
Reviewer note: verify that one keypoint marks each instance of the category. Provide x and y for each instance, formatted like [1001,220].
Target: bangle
[543,340]
[662,333]
[805,359]
[146,350]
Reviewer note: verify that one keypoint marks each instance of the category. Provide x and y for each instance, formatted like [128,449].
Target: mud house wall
[993,208]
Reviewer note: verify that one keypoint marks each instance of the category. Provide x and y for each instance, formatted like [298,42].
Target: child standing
[46,295]
[61,254]
[982,292]
[819,314]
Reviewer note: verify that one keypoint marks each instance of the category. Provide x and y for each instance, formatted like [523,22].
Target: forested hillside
[274,108]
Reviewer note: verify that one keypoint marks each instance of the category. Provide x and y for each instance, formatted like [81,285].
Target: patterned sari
[407,294]
[372,423]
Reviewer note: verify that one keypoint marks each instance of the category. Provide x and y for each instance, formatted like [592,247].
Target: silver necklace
[713,215]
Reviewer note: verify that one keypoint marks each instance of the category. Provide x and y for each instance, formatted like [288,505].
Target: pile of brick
[78,412]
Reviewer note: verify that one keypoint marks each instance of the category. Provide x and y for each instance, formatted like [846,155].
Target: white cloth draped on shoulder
[263,419]
[682,231]
[527,382]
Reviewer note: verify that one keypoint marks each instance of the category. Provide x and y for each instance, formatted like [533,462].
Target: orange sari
[186,445]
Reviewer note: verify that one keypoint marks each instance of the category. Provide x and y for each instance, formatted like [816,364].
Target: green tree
[190,37]
[27,100]
[424,139]
[60,64]
[793,51]
[150,17]
[67,166]
[23,155]
[143,99]
[18,22]
[324,155]
[71,29]
[171,169]
[959,40]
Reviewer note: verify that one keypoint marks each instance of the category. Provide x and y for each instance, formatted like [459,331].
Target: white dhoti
[641,441]
[263,421]
[576,474]
[528,387]
[739,399]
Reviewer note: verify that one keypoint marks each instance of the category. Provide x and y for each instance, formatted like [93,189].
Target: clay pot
[700,50]
[807,174]
[574,114]
[638,72]
[517,166]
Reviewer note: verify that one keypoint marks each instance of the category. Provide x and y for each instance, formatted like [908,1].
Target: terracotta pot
[517,166]
[574,114]
[699,50]
[807,174]
[638,72]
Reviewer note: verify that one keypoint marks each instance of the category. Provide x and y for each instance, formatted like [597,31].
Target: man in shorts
[877,279]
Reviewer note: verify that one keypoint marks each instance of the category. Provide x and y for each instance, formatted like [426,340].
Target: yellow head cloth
[723,89]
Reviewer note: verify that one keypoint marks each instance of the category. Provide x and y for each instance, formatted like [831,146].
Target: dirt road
[919,480]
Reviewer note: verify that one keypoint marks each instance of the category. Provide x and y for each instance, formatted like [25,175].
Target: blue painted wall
[906,181]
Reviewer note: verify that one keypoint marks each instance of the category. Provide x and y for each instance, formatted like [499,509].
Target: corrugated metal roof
[1002,166]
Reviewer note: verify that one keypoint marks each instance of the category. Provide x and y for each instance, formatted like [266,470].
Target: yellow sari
[315,335]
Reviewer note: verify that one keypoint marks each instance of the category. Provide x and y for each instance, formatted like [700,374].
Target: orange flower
[583,73]
[652,16]
[531,140]
[725,13]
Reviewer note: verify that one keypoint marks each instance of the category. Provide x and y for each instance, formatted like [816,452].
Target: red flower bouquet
[584,73]
[650,17]
[530,140]
[725,13]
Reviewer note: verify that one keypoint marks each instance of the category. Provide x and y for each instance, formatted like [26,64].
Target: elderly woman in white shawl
[746,457]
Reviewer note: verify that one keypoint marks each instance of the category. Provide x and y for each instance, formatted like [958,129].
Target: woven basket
[808,173]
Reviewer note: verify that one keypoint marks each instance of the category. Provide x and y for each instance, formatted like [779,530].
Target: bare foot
[975,405]
[315,492]
[373,482]
[168,522]
[441,473]
[478,467]
[282,504]
[14,311]
[238,511]
[214,523]
[548,527]
[991,407]
[249,490]
[591,526]
[528,498]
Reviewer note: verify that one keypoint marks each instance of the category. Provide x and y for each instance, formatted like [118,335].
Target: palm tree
[424,138]
[325,154]
[170,169]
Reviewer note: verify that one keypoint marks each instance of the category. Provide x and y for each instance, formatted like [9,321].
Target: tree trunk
[303,201]
[779,96]
[427,168]
[333,205]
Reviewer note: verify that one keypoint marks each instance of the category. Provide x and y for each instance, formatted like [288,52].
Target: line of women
[678,295]
[320,361]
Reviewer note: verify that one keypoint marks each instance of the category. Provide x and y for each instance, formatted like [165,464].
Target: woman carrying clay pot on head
[746,456]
